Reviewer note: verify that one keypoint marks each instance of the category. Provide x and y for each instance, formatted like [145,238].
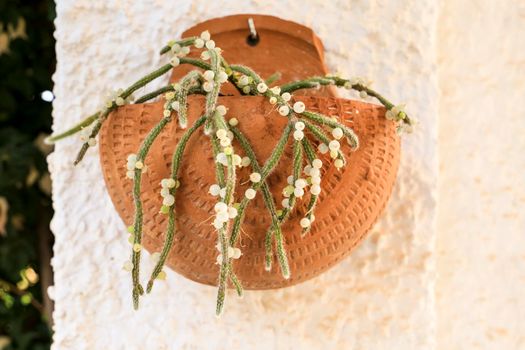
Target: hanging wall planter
[282,174]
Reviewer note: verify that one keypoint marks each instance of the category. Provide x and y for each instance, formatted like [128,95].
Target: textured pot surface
[351,201]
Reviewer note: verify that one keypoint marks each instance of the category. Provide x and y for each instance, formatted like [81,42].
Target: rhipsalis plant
[311,132]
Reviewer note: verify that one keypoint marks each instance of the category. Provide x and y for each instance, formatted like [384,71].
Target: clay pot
[351,201]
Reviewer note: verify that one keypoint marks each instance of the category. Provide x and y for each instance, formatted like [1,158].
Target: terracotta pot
[351,201]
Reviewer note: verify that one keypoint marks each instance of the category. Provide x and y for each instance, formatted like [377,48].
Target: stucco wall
[481,226]
[382,297]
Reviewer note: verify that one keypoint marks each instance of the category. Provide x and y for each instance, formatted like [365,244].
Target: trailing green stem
[265,190]
[225,269]
[170,232]
[265,171]
[215,121]
[297,167]
[138,221]
[146,80]
[195,62]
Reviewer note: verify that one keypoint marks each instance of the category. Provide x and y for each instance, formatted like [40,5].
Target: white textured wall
[382,297]
[481,240]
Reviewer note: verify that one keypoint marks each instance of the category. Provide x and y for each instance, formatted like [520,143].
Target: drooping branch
[138,220]
[170,231]
[265,190]
[136,163]
[290,202]
[270,164]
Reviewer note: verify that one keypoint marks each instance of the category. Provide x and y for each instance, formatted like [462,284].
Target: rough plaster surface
[381,297]
[481,240]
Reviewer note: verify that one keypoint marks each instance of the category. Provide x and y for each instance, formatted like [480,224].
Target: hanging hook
[253,38]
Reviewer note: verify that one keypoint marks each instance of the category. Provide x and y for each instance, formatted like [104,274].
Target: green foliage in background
[27,60]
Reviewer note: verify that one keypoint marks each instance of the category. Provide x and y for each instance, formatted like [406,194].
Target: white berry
[168,200]
[250,193]
[205,35]
[199,43]
[221,109]
[286,96]
[175,105]
[205,55]
[299,107]
[262,87]
[298,135]
[210,44]
[255,177]
[305,222]
[236,253]
[175,61]
[223,77]
[221,133]
[334,145]
[220,207]
[209,75]
[232,212]
[244,80]
[323,148]
[299,125]
[300,183]
[337,133]
[214,190]
[307,169]
[237,160]
[164,192]
[225,142]
[276,90]
[314,172]
[284,110]
[315,189]
[245,161]
[207,86]
[298,192]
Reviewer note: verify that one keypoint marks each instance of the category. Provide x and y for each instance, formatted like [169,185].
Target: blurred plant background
[27,61]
